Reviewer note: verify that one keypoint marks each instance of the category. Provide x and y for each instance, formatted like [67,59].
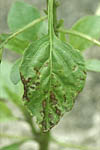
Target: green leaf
[53,73]
[93,65]
[14,44]
[14,74]
[15,146]
[5,113]
[20,15]
[89,25]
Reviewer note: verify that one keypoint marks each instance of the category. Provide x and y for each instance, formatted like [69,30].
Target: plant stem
[44,141]
[54,16]
[23,29]
[82,35]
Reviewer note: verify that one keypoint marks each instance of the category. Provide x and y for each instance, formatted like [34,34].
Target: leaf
[15,146]
[20,15]
[14,44]
[89,25]
[5,113]
[51,84]
[53,73]
[5,70]
[14,74]
[93,65]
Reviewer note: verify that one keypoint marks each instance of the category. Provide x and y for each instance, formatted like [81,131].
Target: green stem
[44,141]
[15,136]
[55,16]
[22,30]
[81,35]
[33,129]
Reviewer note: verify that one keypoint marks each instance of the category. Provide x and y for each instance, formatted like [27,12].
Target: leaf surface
[89,25]
[52,78]
[20,15]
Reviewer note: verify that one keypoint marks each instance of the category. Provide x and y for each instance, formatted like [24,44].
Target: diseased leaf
[20,15]
[5,113]
[14,44]
[93,65]
[51,84]
[53,73]
[14,74]
[89,25]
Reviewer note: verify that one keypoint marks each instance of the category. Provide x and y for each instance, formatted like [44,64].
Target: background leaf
[93,65]
[14,74]
[89,25]
[5,113]
[51,82]
[5,70]
[14,44]
[20,15]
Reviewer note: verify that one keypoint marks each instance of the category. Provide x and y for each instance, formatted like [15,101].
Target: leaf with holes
[52,78]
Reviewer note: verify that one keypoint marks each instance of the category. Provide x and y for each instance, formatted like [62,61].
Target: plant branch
[55,21]
[23,29]
[82,35]
[16,137]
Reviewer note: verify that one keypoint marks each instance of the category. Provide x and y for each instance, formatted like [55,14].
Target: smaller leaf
[93,65]
[89,25]
[14,44]
[5,113]
[14,74]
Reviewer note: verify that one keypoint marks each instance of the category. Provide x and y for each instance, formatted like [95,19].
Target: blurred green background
[82,124]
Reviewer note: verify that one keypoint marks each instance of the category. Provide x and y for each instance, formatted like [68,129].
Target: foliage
[50,72]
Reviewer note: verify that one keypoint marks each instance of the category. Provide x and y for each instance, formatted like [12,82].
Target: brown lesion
[46,64]
[44,104]
[85,72]
[58,111]
[53,98]
[64,98]
[25,83]
[36,71]
[82,79]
